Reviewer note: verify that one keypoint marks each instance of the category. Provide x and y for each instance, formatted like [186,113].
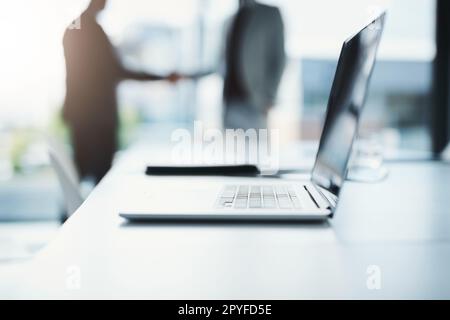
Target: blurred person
[93,71]
[254,64]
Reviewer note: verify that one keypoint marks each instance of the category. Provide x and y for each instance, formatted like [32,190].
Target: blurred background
[188,36]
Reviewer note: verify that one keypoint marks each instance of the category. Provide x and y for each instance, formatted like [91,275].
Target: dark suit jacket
[255,56]
[93,71]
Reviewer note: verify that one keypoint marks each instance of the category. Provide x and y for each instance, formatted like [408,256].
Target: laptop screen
[345,104]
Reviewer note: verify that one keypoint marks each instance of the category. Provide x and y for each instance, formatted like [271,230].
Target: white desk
[401,225]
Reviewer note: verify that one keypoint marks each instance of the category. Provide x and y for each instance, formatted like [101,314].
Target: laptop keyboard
[259,197]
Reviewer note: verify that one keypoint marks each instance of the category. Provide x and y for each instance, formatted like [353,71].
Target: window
[399,99]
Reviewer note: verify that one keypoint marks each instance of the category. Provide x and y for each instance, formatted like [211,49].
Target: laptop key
[255,204]
[243,191]
[296,202]
[241,204]
[270,204]
[226,202]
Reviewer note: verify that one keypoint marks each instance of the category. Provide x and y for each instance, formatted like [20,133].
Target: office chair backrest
[67,177]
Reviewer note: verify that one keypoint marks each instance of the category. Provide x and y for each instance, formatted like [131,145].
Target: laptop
[259,199]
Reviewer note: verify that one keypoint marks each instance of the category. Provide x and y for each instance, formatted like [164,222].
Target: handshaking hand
[174,77]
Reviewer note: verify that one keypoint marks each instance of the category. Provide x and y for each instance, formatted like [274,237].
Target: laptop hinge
[328,199]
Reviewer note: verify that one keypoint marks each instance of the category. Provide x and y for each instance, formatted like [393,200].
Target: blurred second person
[255,60]
[93,71]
